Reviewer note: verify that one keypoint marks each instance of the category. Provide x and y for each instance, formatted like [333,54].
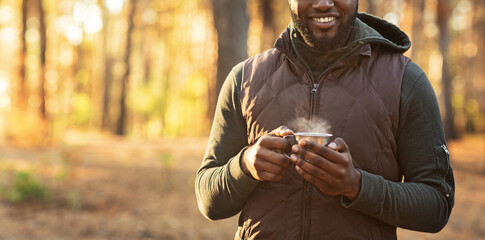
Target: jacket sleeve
[424,199]
[221,186]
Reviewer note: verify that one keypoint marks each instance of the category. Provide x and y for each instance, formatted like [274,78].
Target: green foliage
[186,113]
[143,99]
[81,109]
[26,187]
[172,63]
[167,160]
[66,163]
[74,200]
[82,77]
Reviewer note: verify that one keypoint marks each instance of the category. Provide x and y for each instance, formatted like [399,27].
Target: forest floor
[103,187]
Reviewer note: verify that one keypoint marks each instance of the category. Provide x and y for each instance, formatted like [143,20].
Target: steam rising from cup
[315,125]
[316,130]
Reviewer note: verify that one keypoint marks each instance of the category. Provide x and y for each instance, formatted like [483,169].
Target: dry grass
[111,188]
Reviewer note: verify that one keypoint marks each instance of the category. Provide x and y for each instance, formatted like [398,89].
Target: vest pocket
[442,157]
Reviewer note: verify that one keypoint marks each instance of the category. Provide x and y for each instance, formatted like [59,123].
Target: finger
[263,166]
[322,150]
[315,159]
[281,131]
[279,159]
[329,191]
[268,176]
[285,131]
[273,142]
[310,178]
[309,168]
[275,158]
[339,145]
[320,183]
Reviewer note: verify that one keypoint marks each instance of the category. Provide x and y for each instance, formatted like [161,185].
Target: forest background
[105,107]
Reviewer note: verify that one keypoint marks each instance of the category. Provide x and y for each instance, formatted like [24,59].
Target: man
[388,165]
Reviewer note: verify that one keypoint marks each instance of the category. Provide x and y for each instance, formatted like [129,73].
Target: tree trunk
[121,123]
[146,47]
[269,28]
[108,80]
[371,7]
[480,41]
[43,40]
[108,75]
[22,94]
[231,24]
[469,68]
[417,29]
[443,14]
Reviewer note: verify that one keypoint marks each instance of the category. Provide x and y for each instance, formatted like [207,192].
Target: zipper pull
[445,149]
[315,87]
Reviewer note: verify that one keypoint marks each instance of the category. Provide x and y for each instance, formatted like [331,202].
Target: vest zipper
[314,89]
[307,193]
[307,188]
[312,100]
[445,149]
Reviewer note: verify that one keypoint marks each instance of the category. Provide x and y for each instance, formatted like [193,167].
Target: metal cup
[320,138]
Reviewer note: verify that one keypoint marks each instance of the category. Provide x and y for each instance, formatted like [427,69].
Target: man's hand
[328,168]
[264,160]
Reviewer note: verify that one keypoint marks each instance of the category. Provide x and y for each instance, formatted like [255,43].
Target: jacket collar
[371,31]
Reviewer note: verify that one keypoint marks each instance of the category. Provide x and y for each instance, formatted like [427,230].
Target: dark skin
[329,168]
[323,22]
[264,160]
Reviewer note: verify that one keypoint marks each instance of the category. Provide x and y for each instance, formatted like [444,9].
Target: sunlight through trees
[153,68]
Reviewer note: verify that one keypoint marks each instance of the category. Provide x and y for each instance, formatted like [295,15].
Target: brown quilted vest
[359,98]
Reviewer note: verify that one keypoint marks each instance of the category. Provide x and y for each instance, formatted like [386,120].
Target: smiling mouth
[324,19]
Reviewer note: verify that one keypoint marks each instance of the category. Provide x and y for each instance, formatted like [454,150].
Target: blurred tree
[43,43]
[108,73]
[139,83]
[147,40]
[469,69]
[443,15]
[371,7]
[31,9]
[480,74]
[231,24]
[417,29]
[22,94]
[121,121]
[269,33]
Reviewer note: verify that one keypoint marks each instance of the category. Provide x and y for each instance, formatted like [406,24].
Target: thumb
[339,145]
[281,131]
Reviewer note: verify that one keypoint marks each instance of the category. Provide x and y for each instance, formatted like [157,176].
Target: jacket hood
[371,30]
[378,31]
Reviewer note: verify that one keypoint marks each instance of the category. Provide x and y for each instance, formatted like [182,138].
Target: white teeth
[324,20]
